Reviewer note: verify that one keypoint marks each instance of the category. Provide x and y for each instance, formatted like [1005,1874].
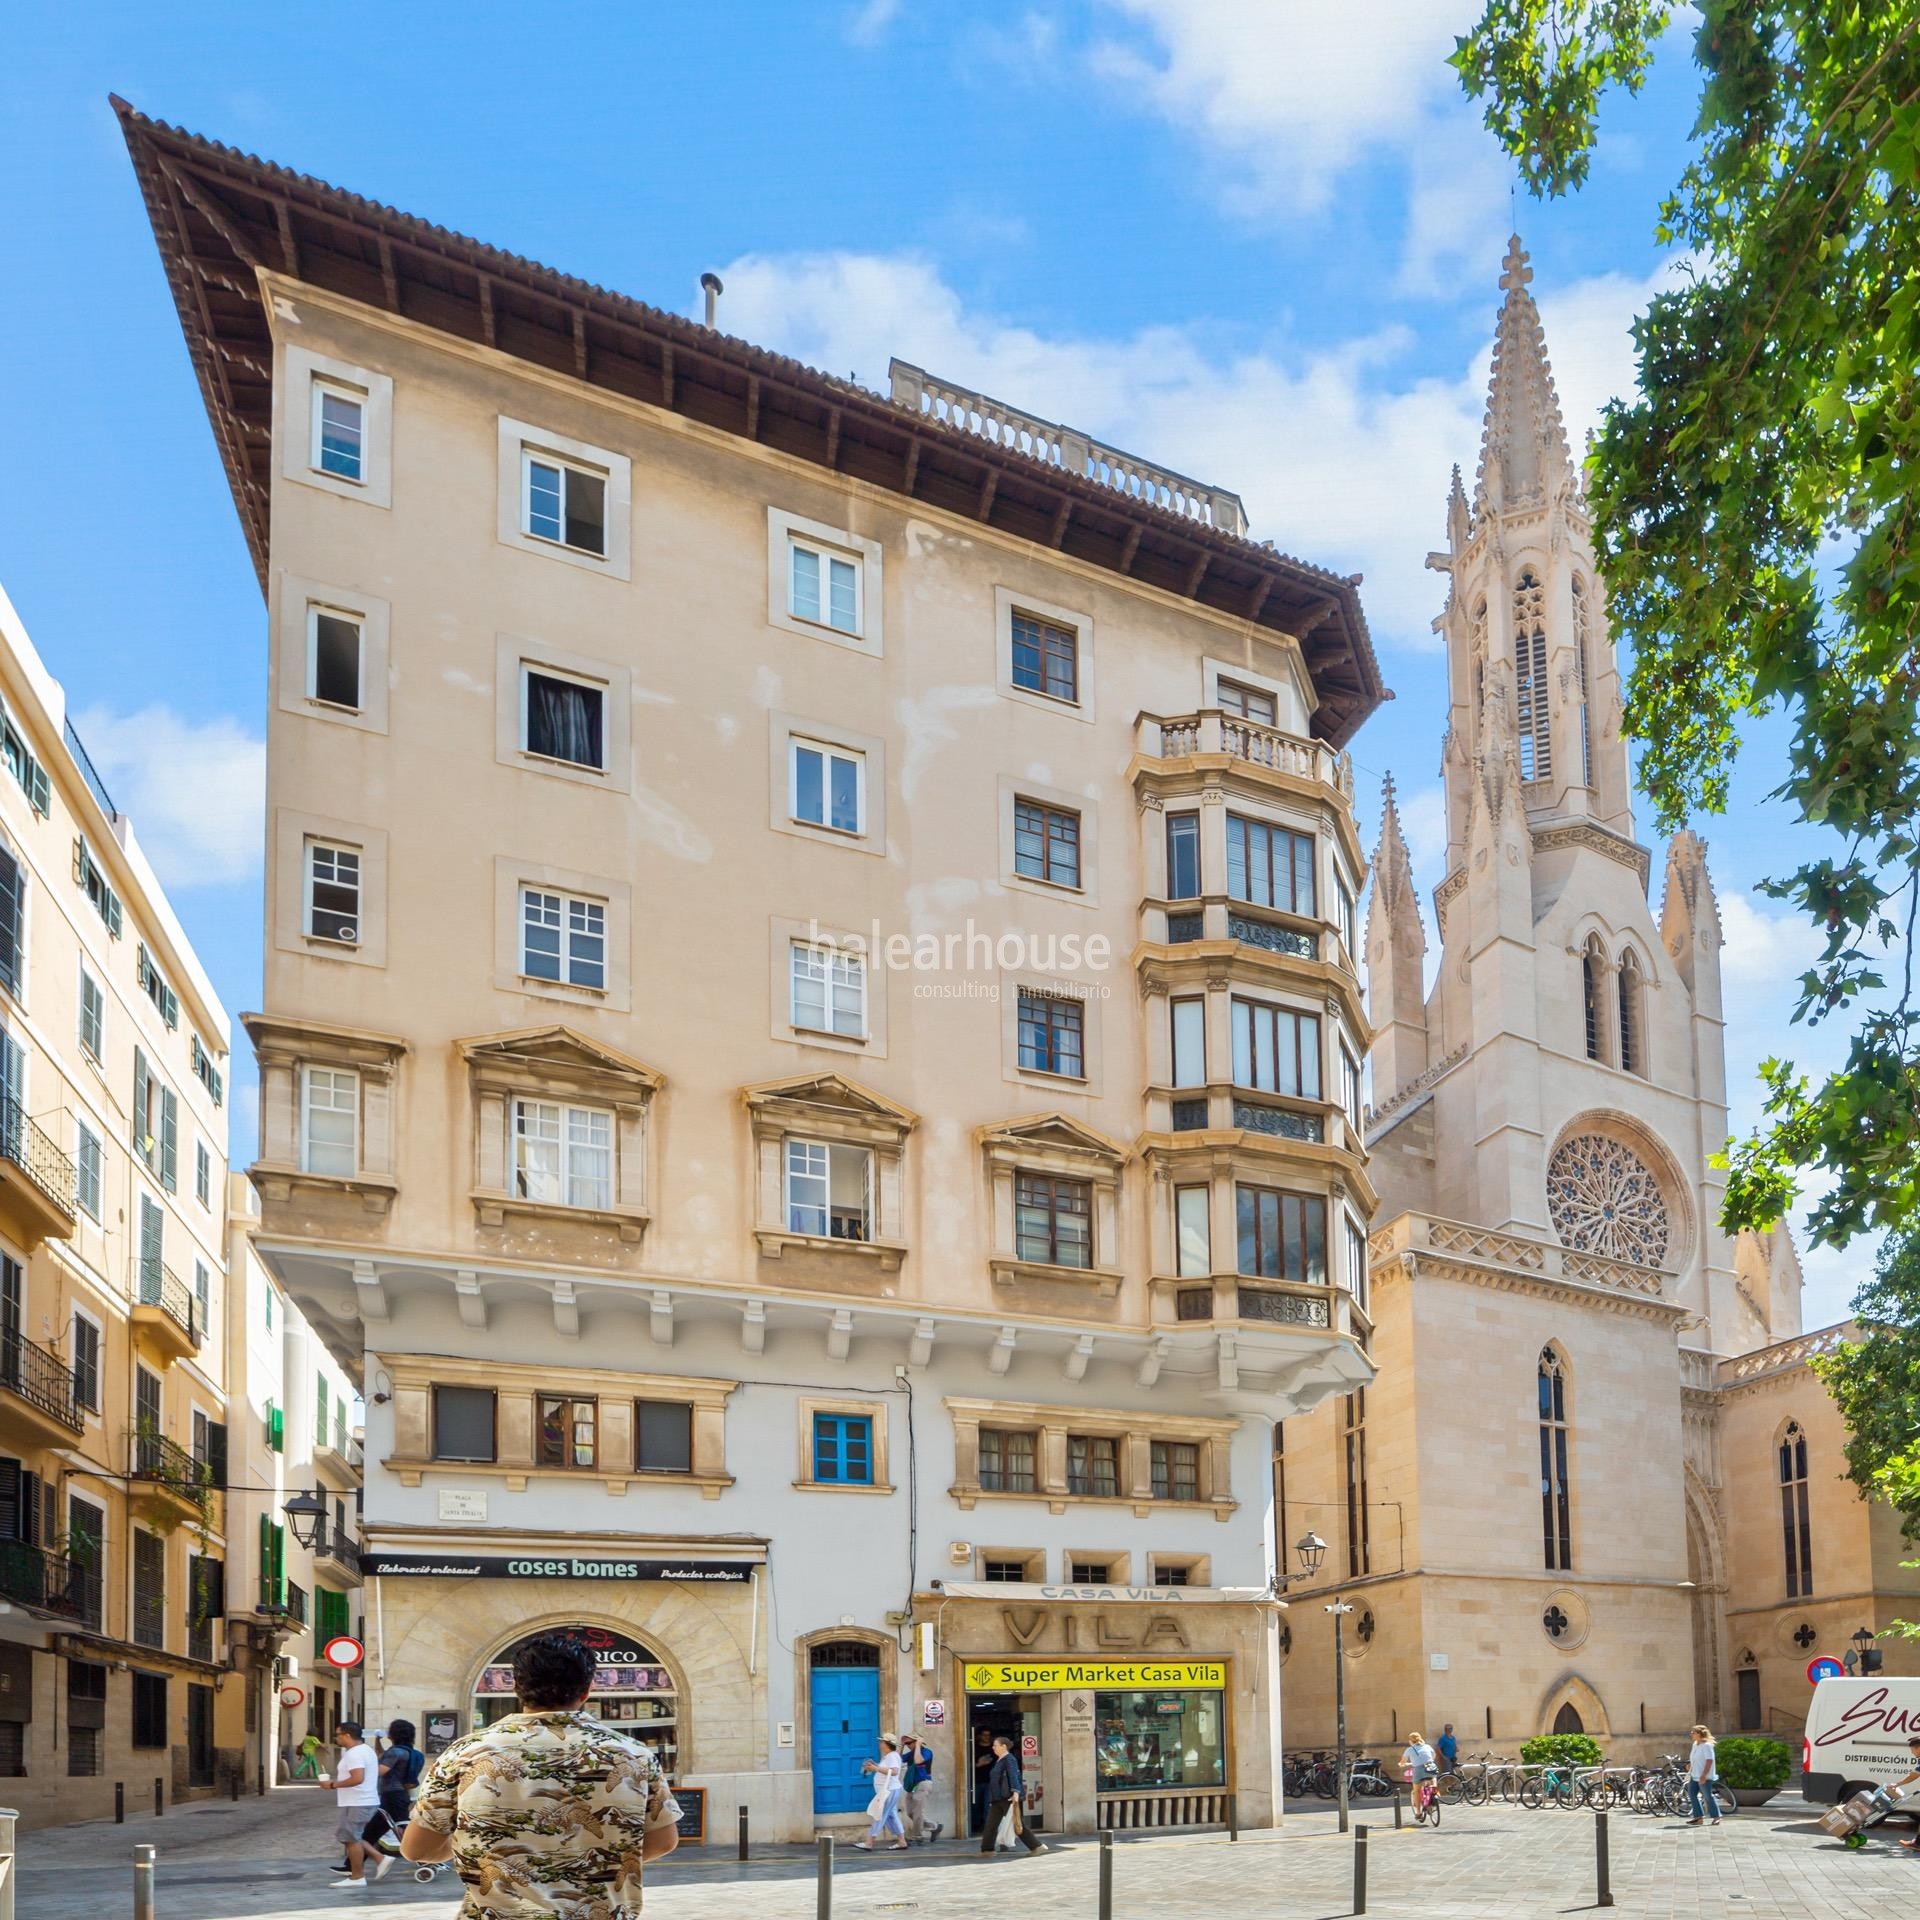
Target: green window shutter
[142,1128]
[169,1138]
[39,792]
[280,1564]
[113,913]
[319,1409]
[169,1005]
[276,1428]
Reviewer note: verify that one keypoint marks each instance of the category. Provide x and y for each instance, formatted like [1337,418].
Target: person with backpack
[401,1765]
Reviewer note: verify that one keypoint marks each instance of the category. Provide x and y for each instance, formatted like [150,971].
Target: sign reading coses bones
[496,1566]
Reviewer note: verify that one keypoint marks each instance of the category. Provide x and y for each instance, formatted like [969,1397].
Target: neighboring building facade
[113,1360]
[294,1428]
[845,1336]
[1552,1511]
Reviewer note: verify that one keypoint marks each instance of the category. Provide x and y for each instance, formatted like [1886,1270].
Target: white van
[1857,1734]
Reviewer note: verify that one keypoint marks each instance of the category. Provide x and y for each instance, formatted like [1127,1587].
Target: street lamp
[1313,1551]
[306,1517]
[1870,1656]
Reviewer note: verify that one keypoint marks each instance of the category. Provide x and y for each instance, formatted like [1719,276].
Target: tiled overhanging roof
[221,216]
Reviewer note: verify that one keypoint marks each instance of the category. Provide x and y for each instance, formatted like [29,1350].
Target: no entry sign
[343,1650]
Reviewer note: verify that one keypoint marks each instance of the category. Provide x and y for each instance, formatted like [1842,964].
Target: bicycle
[1426,1802]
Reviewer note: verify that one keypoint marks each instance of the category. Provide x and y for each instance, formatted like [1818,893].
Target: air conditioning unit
[960,1552]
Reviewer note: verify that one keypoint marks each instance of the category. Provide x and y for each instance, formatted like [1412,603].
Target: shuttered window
[13,953]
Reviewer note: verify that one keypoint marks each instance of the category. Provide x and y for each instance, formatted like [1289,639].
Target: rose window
[1605,1199]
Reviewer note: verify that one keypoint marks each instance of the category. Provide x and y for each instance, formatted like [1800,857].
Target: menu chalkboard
[693,1812]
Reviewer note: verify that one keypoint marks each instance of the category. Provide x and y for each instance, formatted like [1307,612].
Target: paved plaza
[261,1861]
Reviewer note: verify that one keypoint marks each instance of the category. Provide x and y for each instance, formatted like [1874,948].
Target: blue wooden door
[846,1730]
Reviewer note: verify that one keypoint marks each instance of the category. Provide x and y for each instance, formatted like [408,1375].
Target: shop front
[1127,1710]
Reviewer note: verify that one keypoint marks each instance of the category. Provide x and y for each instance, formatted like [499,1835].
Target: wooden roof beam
[753,406]
[833,437]
[289,245]
[1261,588]
[1197,572]
[389,275]
[984,505]
[489,328]
[1058,531]
[912,466]
[580,343]
[208,206]
[1129,547]
[666,373]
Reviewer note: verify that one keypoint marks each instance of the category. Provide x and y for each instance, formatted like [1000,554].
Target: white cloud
[195,790]
[867,25]
[1765,953]
[1423,818]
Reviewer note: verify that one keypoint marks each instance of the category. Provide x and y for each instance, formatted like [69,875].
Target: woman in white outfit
[885,1804]
[1701,1773]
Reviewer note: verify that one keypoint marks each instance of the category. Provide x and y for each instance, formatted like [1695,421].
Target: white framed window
[332,892]
[826,785]
[93,1017]
[1189,1017]
[202,1174]
[1348,910]
[330,1121]
[336,648]
[828,990]
[86,1169]
[563,501]
[823,587]
[563,1156]
[563,938]
[563,717]
[829,1189]
[1350,1086]
[338,427]
[1192,1232]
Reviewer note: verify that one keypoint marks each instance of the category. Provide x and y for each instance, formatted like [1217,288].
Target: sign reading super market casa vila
[1059,1676]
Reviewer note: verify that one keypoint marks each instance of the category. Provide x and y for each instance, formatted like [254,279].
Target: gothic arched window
[1580,624]
[1633,1040]
[1556,1503]
[1793,1512]
[1533,720]
[1593,999]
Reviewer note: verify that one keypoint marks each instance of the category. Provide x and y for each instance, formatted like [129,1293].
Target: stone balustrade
[1544,1260]
[1179,736]
[1782,1355]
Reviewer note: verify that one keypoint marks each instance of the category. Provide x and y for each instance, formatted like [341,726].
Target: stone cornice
[1748,1371]
[1596,839]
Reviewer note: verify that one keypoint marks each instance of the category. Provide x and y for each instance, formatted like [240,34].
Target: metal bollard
[823,1881]
[119,1802]
[1359,1869]
[159,1802]
[8,1861]
[1233,1818]
[1106,1876]
[233,1784]
[743,1833]
[143,1882]
[1399,1807]
[1602,1861]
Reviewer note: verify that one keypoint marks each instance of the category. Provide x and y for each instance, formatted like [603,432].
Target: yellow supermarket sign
[1060,1676]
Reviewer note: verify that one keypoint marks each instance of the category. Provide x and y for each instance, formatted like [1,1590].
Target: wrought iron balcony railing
[49,1582]
[33,1152]
[334,1545]
[157,1285]
[40,1378]
[157,1458]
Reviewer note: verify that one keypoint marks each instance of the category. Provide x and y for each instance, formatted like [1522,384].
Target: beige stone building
[1561,1505]
[811,1049]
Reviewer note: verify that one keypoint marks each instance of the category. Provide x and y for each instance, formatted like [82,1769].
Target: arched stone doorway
[1706,1569]
[1572,1696]
[633,1687]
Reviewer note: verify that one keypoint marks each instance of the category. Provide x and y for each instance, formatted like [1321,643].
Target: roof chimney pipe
[711,282]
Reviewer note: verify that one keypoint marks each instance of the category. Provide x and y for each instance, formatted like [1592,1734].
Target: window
[334,644]
[1093,1465]
[1357,1263]
[1353,1425]
[86,1168]
[202,1173]
[1052,1034]
[1189,1018]
[829,1190]
[827,786]
[1090,1573]
[1193,1232]
[1592,1002]
[1349,913]
[822,587]
[86,1717]
[463,1423]
[1533,718]
[1010,1572]
[563,938]
[156,1122]
[563,503]
[1174,1573]
[1556,1514]
[1246,703]
[149,1603]
[93,883]
[1793,1512]
[1006,1463]
[1053,1220]
[1046,657]
[153,984]
[1183,856]
[319,1409]
[1176,1469]
[13,940]
[24,767]
[566,1433]
[562,719]
[330,1610]
[843,1449]
[663,1436]
[149,1703]
[563,1156]
[1269,866]
[203,1292]
[1283,1236]
[1276,1050]
[329,1121]
[1350,1086]
[206,1072]
[828,990]
[1632,1043]
[86,1363]
[1046,843]
[339,432]
[93,1018]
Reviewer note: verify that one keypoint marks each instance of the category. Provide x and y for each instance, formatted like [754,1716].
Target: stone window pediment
[1057,1145]
[286,1051]
[836,1113]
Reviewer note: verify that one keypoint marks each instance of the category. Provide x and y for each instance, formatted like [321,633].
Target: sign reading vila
[555,1566]
[1060,1676]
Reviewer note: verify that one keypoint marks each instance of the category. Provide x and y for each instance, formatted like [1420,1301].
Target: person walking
[1004,1787]
[401,1765]
[885,1804]
[918,1780]
[1449,1750]
[549,1814]
[356,1795]
[1702,1777]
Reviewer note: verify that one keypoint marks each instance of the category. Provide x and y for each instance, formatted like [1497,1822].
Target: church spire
[1396,948]
[1523,443]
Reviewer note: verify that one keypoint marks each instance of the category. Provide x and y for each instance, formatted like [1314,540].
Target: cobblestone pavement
[264,1860]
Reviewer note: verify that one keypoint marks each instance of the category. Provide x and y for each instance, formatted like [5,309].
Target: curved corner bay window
[1283,1236]
[1556,1508]
[1173,1737]
[1053,1220]
[1794,1516]
[1275,1049]
[1269,866]
[630,1687]
[1183,856]
[562,1156]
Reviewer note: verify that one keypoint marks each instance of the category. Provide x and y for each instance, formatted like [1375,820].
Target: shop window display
[1158,1739]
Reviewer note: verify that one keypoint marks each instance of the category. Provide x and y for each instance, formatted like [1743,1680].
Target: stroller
[383,1836]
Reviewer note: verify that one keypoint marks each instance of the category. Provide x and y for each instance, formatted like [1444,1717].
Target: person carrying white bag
[884,1808]
[1004,1786]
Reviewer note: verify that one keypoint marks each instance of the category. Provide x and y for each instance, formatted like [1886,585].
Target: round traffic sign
[343,1650]
[292,1696]
[1823,1666]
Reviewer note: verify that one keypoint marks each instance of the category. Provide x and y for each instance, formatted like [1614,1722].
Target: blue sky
[1259,242]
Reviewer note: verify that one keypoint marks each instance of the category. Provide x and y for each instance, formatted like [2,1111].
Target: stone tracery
[1603,1198]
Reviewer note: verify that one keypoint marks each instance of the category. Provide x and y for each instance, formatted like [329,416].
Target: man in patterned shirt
[549,1814]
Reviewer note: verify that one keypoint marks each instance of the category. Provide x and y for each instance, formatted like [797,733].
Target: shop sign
[561,1566]
[1060,1676]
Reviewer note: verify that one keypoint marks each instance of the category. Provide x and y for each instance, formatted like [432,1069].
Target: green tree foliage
[1752,1765]
[1876,1382]
[1757,506]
